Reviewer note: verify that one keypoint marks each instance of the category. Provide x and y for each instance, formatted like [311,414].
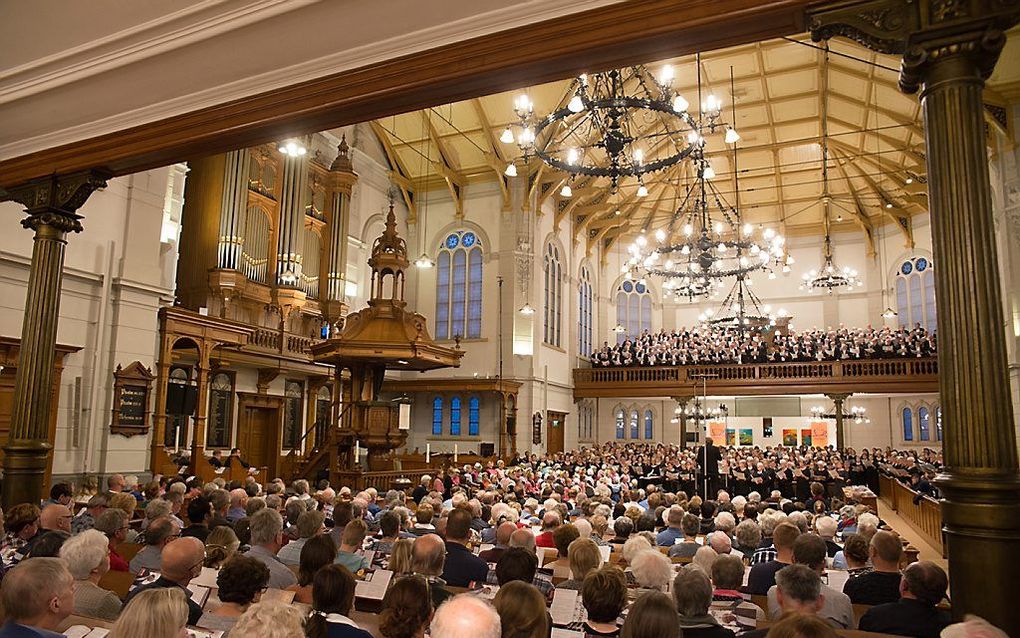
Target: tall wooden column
[51,204]
[949,48]
[839,401]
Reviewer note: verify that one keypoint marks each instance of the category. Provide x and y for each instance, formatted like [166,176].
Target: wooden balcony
[886,376]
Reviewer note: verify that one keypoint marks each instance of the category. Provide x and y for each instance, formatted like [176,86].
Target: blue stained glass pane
[634,433]
[455,416]
[923,425]
[451,242]
[468,240]
[921,264]
[628,286]
[938,423]
[907,268]
[908,425]
[458,293]
[473,416]
[443,296]
[649,425]
[437,416]
[619,424]
[474,327]
[639,287]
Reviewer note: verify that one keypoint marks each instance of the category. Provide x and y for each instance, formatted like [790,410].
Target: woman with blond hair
[400,558]
[270,619]
[584,557]
[220,546]
[153,613]
[521,609]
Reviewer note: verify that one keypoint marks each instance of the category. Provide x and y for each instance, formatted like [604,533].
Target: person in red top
[550,521]
[114,523]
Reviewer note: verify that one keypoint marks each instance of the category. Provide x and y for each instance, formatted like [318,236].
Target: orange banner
[819,433]
[717,430]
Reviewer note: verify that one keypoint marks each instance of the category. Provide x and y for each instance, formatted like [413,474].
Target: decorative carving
[343,157]
[53,201]
[943,10]
[131,386]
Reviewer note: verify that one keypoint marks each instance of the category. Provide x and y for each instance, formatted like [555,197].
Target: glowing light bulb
[642,191]
[709,172]
[680,104]
[693,137]
[511,170]
[565,191]
[718,227]
[666,74]
[748,229]
[572,156]
[641,241]
[576,104]
[639,156]
[508,136]
[732,137]
[660,235]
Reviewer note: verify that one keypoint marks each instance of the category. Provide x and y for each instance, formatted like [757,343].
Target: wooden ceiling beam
[444,165]
[397,169]
[494,156]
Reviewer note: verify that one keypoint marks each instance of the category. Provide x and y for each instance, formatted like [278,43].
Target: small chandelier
[696,412]
[742,310]
[857,414]
[623,123]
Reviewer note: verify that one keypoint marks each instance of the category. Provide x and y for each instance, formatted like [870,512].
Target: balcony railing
[267,339]
[875,375]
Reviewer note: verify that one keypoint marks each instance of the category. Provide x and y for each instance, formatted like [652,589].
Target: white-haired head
[466,616]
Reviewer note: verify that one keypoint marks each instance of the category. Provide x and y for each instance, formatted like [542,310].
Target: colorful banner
[717,430]
[819,433]
[731,437]
[805,437]
[790,438]
[746,436]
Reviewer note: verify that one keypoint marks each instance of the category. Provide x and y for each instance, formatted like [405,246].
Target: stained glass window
[619,424]
[473,416]
[437,416]
[553,295]
[649,425]
[915,293]
[459,287]
[455,416]
[635,433]
[633,309]
[908,424]
[923,418]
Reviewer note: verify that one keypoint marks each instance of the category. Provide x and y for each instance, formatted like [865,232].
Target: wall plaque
[131,387]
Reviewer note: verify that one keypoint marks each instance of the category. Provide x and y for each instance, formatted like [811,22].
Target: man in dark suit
[181,561]
[38,594]
[462,567]
[922,587]
[708,461]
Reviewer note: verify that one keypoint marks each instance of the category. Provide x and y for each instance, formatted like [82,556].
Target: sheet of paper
[564,606]
[374,585]
[194,632]
[199,594]
[605,550]
[747,572]
[559,632]
[281,595]
[207,578]
[81,631]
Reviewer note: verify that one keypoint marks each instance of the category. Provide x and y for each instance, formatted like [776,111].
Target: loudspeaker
[487,449]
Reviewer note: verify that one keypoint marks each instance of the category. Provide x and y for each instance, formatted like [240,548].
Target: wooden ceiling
[876,144]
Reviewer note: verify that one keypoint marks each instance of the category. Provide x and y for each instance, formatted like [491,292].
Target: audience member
[114,523]
[332,601]
[220,545]
[309,523]
[651,616]
[318,552]
[181,562]
[584,557]
[159,532]
[692,593]
[240,583]
[270,619]
[350,545]
[882,584]
[763,575]
[809,550]
[88,559]
[922,587]
[153,613]
[428,556]
[37,595]
[462,567]
[466,616]
[407,609]
[727,578]
[267,539]
[522,612]
[604,597]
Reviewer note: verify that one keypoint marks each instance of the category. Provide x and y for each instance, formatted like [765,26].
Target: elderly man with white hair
[466,616]
[826,528]
[725,522]
[238,502]
[720,542]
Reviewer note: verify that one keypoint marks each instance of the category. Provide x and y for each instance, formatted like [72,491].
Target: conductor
[708,461]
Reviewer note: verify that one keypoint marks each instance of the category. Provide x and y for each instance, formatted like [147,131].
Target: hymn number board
[131,387]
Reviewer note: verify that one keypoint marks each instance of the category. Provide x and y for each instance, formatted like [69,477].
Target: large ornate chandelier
[741,309]
[706,239]
[624,123]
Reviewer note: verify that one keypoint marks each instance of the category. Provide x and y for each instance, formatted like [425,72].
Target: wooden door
[257,437]
[554,438]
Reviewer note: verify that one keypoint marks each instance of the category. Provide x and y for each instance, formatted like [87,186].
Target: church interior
[711,262]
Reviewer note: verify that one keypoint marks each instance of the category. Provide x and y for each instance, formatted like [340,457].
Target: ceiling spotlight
[292,148]
[508,136]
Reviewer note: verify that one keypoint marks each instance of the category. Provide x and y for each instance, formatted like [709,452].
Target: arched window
[459,287]
[221,411]
[649,425]
[635,432]
[915,293]
[437,417]
[633,309]
[293,418]
[619,423]
[908,424]
[584,294]
[553,295]
[923,424]
[938,422]
[586,423]
[455,416]
[473,416]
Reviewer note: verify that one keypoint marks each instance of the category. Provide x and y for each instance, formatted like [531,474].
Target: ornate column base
[24,466]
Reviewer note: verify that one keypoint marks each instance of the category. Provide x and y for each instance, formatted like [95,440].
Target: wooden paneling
[881,375]
[602,38]
[924,516]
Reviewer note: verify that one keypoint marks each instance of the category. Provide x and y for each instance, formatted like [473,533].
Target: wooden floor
[927,552]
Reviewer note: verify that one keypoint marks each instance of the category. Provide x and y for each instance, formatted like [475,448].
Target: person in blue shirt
[37,595]
[669,536]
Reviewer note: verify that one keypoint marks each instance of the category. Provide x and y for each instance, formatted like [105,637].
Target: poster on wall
[731,437]
[790,438]
[717,430]
[819,433]
[805,437]
[746,436]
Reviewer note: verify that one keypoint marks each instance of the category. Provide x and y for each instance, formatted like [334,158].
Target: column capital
[839,396]
[55,200]
[923,31]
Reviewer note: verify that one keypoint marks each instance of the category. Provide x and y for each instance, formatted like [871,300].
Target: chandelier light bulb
[732,137]
[508,136]
[526,310]
[642,191]
[769,233]
[786,270]
[424,262]
[639,156]
[718,227]
[712,103]
[576,105]
[527,136]
[772,275]
[888,204]
[755,249]
[721,247]
[572,156]
[688,229]
[680,104]
[565,191]
[693,137]
[666,74]
[748,229]
[909,180]
[511,170]
[709,172]
[641,241]
[686,251]
[292,148]
[660,235]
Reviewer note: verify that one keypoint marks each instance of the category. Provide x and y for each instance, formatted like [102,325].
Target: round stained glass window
[640,287]
[906,268]
[451,241]
[628,286]
[468,240]
[921,264]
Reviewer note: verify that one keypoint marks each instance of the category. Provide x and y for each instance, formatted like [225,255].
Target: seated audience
[181,562]
[88,559]
[400,558]
[266,540]
[350,544]
[550,521]
[199,515]
[239,583]
[727,578]
[318,552]
[692,593]
[271,619]
[809,550]
[691,526]
[584,557]
[332,601]
[882,584]
[799,593]
[309,523]
[47,544]
[652,571]
[763,575]
[704,558]
[37,595]
[159,532]
[114,523]
[407,609]
[220,545]
[502,540]
[857,555]
[867,526]
[651,616]
[826,528]
[389,530]
[516,564]
[522,612]
[604,597]
[428,556]
[86,519]
[563,536]
[462,567]
[922,587]
[795,625]
[747,537]
[466,616]
[22,525]
[153,613]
